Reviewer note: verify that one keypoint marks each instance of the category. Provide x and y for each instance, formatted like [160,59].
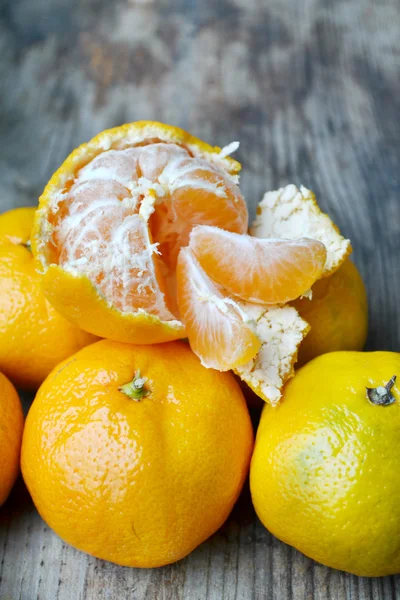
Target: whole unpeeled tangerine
[11,426]
[337,314]
[324,475]
[34,337]
[136,454]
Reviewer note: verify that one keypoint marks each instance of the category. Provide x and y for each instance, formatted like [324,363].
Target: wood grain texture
[311,89]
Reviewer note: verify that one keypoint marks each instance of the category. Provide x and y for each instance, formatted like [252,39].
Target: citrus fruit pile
[137,446]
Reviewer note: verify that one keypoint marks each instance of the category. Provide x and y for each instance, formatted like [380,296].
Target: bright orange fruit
[136,469]
[324,474]
[34,337]
[215,325]
[337,314]
[112,219]
[11,426]
[265,271]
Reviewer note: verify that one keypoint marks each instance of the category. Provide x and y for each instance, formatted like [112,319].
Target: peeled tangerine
[113,218]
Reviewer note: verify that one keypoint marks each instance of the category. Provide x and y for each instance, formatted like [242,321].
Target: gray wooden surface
[311,89]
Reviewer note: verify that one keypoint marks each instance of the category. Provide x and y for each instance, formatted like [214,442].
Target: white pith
[280,330]
[292,213]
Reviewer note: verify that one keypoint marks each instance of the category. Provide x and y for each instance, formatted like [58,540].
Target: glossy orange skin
[337,314]
[324,474]
[34,338]
[11,426]
[138,483]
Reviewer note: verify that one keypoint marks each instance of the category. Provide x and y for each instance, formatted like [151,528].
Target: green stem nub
[135,389]
[381,395]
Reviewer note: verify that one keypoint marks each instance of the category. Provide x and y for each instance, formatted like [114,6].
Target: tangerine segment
[197,193]
[281,331]
[214,324]
[270,271]
[293,213]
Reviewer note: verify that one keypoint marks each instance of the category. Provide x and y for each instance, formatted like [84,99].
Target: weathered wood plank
[311,89]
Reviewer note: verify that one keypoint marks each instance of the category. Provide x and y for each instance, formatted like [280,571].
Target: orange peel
[280,330]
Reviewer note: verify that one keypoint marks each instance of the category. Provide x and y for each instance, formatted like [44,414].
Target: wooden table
[311,90]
